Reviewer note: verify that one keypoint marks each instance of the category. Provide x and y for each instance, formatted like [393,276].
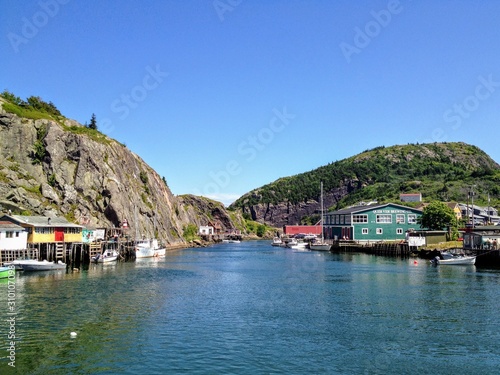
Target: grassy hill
[440,171]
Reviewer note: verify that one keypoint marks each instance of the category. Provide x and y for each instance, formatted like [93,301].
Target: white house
[206,230]
[12,236]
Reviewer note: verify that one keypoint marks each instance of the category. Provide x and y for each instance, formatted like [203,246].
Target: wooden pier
[394,249]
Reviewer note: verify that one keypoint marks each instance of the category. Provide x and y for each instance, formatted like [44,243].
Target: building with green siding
[380,222]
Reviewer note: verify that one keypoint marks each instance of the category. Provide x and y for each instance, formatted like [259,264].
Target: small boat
[36,265]
[277,241]
[109,255]
[234,241]
[454,260]
[4,272]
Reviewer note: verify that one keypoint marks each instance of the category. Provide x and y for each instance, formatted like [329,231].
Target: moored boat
[454,260]
[109,255]
[36,265]
[148,249]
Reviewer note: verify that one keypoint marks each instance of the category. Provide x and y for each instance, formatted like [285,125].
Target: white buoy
[73,334]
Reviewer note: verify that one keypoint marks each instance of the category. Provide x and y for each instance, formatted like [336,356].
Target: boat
[109,255]
[320,245]
[36,265]
[277,241]
[4,272]
[234,241]
[453,260]
[148,249]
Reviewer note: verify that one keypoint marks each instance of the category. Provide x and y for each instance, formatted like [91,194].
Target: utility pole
[472,203]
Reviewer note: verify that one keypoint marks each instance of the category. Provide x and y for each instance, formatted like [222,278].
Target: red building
[291,230]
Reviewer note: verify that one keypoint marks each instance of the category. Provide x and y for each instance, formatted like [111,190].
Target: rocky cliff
[60,168]
[439,171]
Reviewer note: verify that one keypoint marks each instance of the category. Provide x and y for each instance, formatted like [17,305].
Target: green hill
[440,171]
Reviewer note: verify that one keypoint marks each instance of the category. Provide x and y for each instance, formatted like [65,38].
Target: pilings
[394,249]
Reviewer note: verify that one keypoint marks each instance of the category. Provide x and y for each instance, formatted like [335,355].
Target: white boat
[320,245]
[277,241]
[454,260]
[109,255]
[148,249]
[36,265]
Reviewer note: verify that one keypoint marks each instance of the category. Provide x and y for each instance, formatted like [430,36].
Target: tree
[437,216]
[93,122]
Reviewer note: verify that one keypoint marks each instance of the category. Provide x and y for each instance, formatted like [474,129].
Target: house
[42,230]
[380,222]
[410,197]
[480,215]
[455,207]
[12,236]
[206,230]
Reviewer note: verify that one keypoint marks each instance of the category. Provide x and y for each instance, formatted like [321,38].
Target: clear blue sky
[221,97]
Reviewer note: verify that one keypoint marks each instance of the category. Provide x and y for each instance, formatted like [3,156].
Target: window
[412,219]
[400,219]
[342,219]
[399,231]
[364,230]
[360,218]
[8,234]
[380,231]
[384,218]
[336,219]
[348,219]
[17,234]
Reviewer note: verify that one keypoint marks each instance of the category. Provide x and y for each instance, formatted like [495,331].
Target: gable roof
[40,221]
[357,209]
[8,225]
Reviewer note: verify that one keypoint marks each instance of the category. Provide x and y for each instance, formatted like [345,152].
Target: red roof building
[291,230]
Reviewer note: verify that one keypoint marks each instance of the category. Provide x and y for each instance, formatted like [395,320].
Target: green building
[381,222]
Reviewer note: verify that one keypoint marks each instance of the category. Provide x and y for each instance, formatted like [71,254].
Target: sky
[223,96]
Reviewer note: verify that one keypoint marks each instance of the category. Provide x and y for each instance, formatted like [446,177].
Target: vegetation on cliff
[440,171]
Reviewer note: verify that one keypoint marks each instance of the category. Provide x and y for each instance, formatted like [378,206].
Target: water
[250,308]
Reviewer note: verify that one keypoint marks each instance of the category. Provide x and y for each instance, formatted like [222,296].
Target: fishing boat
[36,265]
[108,255]
[148,249]
[454,260]
[320,245]
[4,272]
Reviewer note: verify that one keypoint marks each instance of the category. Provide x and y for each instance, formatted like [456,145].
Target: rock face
[287,213]
[57,169]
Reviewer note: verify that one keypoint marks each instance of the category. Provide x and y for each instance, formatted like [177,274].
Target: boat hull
[4,272]
[455,261]
[40,265]
[320,247]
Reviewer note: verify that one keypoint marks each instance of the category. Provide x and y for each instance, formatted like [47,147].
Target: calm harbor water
[251,308]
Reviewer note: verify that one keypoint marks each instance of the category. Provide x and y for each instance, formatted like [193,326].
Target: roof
[356,209]
[42,221]
[10,225]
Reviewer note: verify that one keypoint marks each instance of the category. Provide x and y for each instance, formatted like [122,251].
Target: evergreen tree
[93,122]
